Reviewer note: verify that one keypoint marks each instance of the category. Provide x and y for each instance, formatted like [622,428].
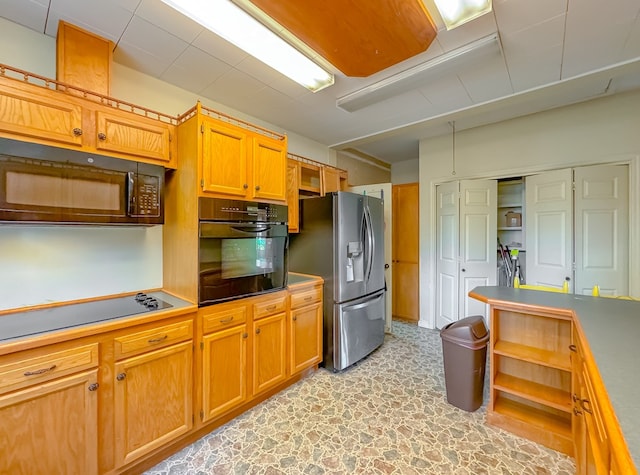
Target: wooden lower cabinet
[531,377]
[269,360]
[153,396]
[305,323]
[51,428]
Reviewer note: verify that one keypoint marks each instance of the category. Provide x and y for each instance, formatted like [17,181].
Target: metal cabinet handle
[158,340]
[121,376]
[295,318]
[271,307]
[245,186]
[573,348]
[102,136]
[93,387]
[257,187]
[586,406]
[576,411]
[77,132]
[226,320]
[309,297]
[257,331]
[245,335]
[40,371]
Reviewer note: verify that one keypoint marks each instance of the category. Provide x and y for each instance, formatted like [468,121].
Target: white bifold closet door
[466,246]
[602,229]
[577,228]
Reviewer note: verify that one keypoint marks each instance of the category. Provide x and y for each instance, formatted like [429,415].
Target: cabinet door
[269,358]
[268,169]
[330,180]
[549,228]
[133,135]
[293,196]
[405,252]
[224,371]
[602,229]
[224,159]
[40,116]
[51,428]
[306,337]
[153,394]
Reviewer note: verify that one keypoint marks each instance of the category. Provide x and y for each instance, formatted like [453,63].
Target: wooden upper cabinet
[30,113]
[83,59]
[269,169]
[238,163]
[293,195]
[330,180]
[224,159]
[118,131]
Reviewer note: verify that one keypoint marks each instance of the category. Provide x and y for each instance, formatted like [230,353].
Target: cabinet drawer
[306,297]
[269,307]
[18,371]
[217,319]
[157,337]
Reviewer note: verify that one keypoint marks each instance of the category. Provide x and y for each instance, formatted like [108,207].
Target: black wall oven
[242,249]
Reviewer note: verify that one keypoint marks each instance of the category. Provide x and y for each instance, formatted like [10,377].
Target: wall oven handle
[251,229]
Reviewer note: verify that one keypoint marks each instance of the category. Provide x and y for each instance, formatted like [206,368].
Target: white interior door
[478,242]
[447,242]
[383,191]
[549,228]
[602,229]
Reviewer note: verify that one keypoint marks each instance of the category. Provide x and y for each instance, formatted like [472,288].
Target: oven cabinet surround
[561,374]
[234,159]
[34,113]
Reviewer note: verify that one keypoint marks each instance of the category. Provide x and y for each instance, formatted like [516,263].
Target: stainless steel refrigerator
[342,239]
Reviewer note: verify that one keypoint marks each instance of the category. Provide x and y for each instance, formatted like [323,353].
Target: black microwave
[41,184]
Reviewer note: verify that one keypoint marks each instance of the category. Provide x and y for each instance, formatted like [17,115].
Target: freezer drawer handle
[40,371]
[364,304]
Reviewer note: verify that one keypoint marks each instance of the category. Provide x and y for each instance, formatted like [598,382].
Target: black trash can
[464,349]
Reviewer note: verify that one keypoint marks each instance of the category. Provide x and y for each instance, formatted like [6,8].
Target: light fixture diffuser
[238,27]
[457,12]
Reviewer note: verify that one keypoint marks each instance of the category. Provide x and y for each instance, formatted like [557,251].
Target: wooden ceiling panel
[359,37]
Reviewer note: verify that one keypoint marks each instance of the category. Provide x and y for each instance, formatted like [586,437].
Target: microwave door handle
[131,199]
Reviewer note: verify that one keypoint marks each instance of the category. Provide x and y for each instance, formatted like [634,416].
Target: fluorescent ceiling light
[236,26]
[456,12]
[420,74]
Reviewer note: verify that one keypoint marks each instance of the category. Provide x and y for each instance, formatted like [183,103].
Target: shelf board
[510,205]
[510,228]
[309,188]
[546,428]
[531,354]
[540,393]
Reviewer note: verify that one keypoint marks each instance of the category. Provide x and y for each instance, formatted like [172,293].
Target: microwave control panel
[146,196]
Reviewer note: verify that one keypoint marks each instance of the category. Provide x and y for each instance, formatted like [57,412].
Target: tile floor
[386,415]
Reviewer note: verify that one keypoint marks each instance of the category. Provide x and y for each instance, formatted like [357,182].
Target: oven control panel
[216,209]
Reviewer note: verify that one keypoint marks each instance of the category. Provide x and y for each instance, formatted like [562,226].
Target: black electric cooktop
[33,322]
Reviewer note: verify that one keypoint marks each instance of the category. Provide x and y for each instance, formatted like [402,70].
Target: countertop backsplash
[43,264]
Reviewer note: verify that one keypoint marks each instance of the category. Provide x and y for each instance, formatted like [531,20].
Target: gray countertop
[612,330]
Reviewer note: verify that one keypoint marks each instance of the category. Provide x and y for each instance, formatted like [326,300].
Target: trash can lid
[470,332]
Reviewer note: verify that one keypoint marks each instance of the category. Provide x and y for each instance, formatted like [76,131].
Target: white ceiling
[553,52]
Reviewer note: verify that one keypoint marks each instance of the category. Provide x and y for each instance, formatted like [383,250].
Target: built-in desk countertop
[611,328]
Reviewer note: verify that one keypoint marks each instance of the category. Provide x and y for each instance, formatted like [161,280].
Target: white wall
[603,130]
[42,264]
[405,172]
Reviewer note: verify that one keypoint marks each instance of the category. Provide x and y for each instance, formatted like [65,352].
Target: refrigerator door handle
[371,246]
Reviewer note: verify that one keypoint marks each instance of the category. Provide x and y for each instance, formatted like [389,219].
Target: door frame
[428,223]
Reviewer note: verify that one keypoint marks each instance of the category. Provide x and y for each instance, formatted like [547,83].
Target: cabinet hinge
[202,345]
[202,128]
[201,183]
[201,415]
[170,137]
